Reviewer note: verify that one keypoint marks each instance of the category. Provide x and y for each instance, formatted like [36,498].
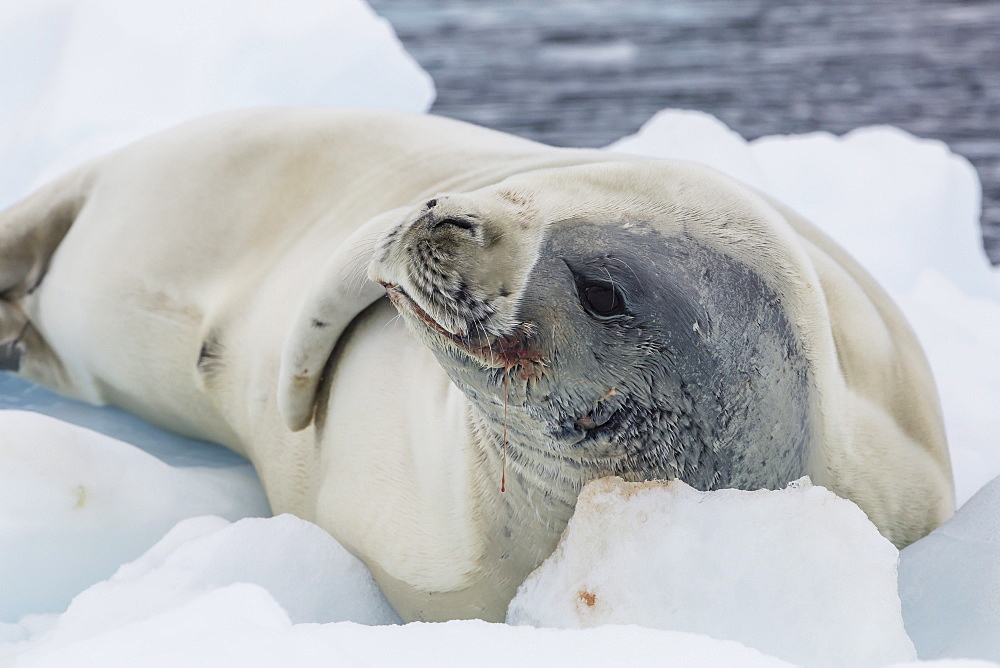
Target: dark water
[586,72]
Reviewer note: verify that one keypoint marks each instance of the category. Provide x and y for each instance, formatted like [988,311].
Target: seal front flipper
[13,326]
[334,299]
[30,233]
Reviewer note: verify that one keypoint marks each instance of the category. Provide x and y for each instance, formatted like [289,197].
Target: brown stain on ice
[587,598]
[617,488]
[81,496]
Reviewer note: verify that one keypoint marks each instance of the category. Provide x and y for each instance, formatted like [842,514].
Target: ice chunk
[899,204]
[799,573]
[75,504]
[959,333]
[306,572]
[681,134]
[949,583]
[229,626]
[86,76]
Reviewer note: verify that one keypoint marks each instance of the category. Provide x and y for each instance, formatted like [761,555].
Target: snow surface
[89,75]
[296,566]
[955,610]
[75,504]
[241,625]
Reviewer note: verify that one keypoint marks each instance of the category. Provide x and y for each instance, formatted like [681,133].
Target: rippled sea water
[586,72]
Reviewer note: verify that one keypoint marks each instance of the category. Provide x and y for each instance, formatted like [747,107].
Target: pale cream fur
[249,228]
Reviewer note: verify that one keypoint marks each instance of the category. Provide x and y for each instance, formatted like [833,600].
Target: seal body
[565,315]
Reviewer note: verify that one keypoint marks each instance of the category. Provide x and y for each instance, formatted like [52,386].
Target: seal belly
[393,421]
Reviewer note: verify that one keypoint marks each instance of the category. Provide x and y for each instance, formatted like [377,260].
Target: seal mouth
[397,295]
[491,351]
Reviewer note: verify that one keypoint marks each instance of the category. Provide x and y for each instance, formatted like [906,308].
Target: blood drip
[503,470]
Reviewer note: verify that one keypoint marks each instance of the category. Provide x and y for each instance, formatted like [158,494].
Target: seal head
[603,339]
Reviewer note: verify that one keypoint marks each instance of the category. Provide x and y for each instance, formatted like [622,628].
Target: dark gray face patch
[663,359]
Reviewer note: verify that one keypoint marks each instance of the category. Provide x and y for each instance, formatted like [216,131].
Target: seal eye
[602,301]
[460,223]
